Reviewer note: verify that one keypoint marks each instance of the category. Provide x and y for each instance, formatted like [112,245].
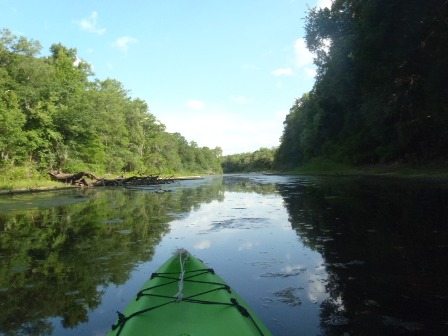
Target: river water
[310,255]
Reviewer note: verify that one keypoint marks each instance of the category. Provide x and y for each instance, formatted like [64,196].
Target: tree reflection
[247,184]
[383,242]
[56,260]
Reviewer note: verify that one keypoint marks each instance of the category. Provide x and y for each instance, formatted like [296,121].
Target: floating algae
[288,296]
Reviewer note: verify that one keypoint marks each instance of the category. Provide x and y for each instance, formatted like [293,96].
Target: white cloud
[233,132]
[245,246]
[124,42]
[302,61]
[77,62]
[240,100]
[282,72]
[195,104]
[292,269]
[310,72]
[281,115]
[249,67]
[326,45]
[324,3]
[90,24]
[303,56]
[202,245]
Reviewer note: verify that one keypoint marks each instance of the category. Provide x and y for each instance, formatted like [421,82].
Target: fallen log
[74,179]
[79,179]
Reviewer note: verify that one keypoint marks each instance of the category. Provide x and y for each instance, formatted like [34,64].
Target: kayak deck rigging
[192,288]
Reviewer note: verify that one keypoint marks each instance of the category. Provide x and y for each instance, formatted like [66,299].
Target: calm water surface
[311,256]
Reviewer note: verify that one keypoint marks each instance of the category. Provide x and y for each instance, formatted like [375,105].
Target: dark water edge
[385,242]
[324,255]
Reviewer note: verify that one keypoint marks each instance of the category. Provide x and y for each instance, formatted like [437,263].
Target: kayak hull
[185,297]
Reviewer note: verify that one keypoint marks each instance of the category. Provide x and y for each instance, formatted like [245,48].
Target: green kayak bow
[185,297]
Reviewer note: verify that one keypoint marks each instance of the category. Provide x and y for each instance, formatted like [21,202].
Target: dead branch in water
[79,179]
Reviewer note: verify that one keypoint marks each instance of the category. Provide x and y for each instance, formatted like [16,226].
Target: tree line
[380,94]
[260,160]
[54,114]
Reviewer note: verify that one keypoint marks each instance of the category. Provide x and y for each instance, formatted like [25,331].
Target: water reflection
[59,250]
[353,256]
[384,243]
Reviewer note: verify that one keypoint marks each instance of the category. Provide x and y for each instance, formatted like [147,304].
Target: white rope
[180,283]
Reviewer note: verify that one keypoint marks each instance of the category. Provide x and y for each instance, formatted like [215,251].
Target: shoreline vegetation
[317,167]
[322,166]
[55,115]
[27,179]
[30,186]
[265,161]
[378,107]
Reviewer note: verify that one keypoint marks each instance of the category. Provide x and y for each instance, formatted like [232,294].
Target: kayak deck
[185,297]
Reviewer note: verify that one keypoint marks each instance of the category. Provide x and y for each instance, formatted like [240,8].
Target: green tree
[260,160]
[12,138]
[55,115]
[379,94]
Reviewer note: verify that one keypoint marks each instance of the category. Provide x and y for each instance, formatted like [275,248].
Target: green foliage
[12,119]
[324,166]
[379,96]
[21,172]
[23,177]
[54,116]
[260,160]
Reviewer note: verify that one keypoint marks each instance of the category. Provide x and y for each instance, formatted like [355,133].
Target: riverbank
[326,167]
[30,181]
[38,184]
[25,179]
[12,191]
[30,185]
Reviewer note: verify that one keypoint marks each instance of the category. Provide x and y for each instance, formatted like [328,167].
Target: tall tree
[55,115]
[379,94]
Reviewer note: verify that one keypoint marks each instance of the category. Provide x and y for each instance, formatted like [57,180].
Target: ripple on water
[399,323]
[284,274]
[238,223]
[337,321]
[264,264]
[345,265]
[287,296]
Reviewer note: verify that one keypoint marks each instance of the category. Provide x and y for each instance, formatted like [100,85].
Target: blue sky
[220,72]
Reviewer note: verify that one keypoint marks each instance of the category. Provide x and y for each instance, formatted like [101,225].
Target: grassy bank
[409,171]
[25,178]
[17,179]
[324,166]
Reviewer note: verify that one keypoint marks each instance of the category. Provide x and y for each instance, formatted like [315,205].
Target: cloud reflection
[202,245]
[247,246]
